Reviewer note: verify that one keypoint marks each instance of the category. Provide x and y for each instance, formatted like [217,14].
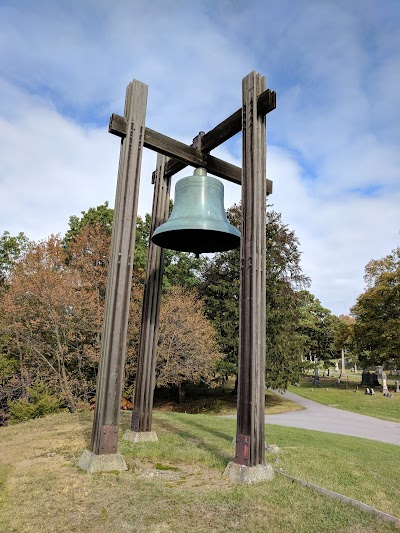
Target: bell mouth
[198,241]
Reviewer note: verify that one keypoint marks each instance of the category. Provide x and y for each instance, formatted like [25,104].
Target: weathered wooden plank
[188,154]
[222,132]
[117,125]
[145,375]
[232,125]
[112,353]
[252,342]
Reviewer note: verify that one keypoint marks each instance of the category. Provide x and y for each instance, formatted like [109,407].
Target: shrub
[41,402]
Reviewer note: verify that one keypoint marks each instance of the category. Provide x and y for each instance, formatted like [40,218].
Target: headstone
[374,380]
[396,386]
[336,367]
[385,389]
[366,378]
[372,392]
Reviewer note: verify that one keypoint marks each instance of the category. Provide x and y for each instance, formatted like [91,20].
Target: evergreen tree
[220,290]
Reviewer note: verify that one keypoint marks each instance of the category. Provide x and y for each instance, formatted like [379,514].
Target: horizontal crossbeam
[226,129]
[182,155]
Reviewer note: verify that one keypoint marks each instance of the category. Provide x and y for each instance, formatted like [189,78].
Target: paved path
[331,420]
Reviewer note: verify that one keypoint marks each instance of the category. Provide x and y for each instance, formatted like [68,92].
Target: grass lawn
[176,484]
[348,399]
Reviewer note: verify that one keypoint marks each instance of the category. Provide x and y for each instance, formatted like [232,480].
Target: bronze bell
[198,222]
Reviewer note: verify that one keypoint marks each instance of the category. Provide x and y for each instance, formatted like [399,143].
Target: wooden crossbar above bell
[198,222]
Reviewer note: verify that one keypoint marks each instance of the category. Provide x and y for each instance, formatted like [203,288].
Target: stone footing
[92,463]
[248,474]
[272,448]
[140,436]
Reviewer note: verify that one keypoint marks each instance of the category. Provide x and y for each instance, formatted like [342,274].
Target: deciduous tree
[317,328]
[188,350]
[377,313]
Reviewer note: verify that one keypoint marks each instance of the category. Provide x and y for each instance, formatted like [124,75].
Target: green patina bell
[198,222]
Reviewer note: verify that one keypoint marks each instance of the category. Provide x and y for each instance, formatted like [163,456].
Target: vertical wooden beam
[145,375]
[113,342]
[252,345]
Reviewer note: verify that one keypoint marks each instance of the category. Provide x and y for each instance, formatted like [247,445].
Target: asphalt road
[331,420]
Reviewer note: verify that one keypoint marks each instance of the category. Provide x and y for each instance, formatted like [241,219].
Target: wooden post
[113,342]
[252,344]
[145,375]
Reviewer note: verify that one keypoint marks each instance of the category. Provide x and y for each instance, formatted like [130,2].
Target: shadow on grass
[194,438]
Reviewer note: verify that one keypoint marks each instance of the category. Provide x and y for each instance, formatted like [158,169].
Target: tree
[11,249]
[188,350]
[317,328]
[343,336]
[50,313]
[377,313]
[180,268]
[101,215]
[221,293]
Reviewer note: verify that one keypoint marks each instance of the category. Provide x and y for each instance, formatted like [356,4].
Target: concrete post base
[140,436]
[109,462]
[248,474]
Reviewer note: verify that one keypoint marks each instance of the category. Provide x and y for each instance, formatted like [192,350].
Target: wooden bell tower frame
[172,157]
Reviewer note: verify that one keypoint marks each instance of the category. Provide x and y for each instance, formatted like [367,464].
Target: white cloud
[333,139]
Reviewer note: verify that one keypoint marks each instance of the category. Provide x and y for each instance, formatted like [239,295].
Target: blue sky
[333,141]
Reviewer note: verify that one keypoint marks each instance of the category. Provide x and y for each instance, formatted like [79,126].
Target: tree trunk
[181,393]
[235,388]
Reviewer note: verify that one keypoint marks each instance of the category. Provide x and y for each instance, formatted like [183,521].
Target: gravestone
[396,386]
[366,378]
[385,389]
[374,380]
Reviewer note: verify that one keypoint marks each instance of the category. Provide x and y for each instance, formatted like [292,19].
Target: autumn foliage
[51,318]
[188,350]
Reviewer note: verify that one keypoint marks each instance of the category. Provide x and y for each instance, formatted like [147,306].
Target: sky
[332,142]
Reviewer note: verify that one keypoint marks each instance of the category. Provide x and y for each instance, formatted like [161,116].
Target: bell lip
[189,223]
[184,240]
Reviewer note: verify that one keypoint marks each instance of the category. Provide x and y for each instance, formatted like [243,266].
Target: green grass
[176,484]
[350,400]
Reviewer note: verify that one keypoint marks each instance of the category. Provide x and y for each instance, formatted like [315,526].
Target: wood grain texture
[113,344]
[252,341]
[229,127]
[145,375]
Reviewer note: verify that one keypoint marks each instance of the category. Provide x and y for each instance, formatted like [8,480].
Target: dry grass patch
[174,485]
[224,403]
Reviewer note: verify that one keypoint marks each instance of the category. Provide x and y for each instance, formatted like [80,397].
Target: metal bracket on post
[108,439]
[242,456]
